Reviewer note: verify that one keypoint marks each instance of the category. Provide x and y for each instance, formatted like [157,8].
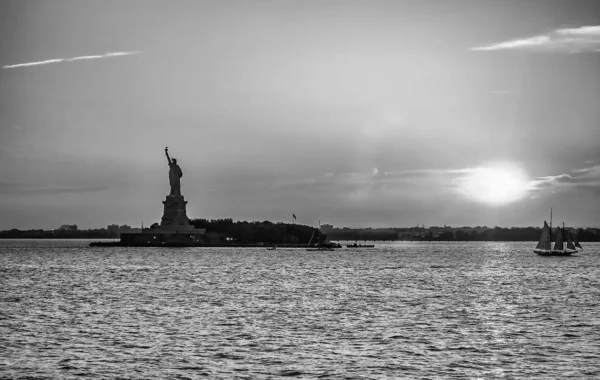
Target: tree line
[101,233]
[266,231]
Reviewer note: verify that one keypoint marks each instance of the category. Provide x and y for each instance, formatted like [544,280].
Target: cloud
[121,53]
[83,57]
[73,59]
[45,62]
[571,40]
[416,173]
[588,177]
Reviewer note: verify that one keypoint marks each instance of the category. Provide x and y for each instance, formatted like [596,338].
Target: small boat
[272,248]
[544,247]
[356,245]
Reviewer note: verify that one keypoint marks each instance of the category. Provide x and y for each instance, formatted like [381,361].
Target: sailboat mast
[550,224]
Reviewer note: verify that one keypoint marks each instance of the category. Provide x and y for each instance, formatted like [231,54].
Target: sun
[495,185]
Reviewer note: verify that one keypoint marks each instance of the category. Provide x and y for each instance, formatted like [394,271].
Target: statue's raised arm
[167,153]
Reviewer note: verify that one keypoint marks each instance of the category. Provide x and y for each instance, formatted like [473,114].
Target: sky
[352,113]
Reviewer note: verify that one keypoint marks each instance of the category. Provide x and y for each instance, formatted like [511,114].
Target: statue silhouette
[175,175]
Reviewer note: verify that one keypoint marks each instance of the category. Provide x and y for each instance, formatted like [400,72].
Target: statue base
[175,229]
[174,215]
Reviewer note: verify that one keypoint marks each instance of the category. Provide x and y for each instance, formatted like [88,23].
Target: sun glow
[494,185]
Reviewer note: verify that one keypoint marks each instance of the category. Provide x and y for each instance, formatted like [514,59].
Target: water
[402,310]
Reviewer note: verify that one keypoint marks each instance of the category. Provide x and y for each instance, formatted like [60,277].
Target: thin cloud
[45,62]
[120,53]
[420,173]
[83,57]
[72,59]
[571,40]
[415,173]
[588,177]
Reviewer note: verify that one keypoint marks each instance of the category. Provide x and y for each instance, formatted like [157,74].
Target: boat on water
[321,246]
[544,247]
[356,245]
[272,248]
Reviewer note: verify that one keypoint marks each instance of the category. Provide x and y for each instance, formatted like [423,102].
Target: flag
[294,215]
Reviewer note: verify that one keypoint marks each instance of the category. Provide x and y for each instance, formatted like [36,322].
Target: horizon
[306,225]
[372,113]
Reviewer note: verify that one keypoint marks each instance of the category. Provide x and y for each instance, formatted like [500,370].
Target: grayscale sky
[354,113]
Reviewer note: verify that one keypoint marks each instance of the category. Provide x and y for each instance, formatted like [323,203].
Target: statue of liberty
[175,174]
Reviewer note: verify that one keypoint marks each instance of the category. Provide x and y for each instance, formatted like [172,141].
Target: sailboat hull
[554,252]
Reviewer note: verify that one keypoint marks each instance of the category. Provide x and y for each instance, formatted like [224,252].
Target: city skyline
[354,113]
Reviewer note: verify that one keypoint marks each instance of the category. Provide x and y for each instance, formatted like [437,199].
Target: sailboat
[318,247]
[544,247]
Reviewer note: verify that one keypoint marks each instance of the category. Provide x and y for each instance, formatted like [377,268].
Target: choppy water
[403,310]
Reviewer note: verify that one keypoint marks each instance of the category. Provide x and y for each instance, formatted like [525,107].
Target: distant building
[326,227]
[68,227]
[116,230]
[113,229]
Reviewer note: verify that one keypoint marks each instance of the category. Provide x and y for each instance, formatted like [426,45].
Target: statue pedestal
[174,215]
[175,229]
